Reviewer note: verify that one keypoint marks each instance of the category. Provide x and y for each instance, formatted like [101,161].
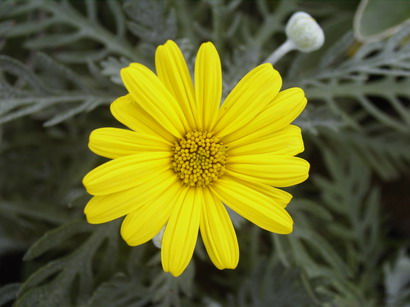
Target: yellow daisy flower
[186,157]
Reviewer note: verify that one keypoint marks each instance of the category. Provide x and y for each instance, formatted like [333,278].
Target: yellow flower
[186,157]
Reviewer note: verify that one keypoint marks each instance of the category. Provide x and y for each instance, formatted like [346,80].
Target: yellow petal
[287,141]
[218,233]
[249,97]
[114,142]
[174,74]
[208,85]
[105,208]
[278,171]
[142,224]
[129,113]
[253,205]
[181,232]
[126,172]
[278,114]
[282,198]
[152,96]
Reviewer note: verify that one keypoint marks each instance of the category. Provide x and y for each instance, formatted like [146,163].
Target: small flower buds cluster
[304,32]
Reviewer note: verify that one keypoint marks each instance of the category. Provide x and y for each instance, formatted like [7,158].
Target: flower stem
[280,52]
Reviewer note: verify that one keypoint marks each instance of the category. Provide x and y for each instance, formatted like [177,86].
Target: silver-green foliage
[59,69]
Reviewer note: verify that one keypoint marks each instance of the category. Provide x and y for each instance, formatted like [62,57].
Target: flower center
[198,158]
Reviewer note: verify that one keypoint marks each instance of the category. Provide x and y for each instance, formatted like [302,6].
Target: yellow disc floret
[198,158]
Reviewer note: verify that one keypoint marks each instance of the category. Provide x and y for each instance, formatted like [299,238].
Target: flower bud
[304,32]
[157,240]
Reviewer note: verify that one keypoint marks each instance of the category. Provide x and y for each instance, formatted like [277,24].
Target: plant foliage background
[59,71]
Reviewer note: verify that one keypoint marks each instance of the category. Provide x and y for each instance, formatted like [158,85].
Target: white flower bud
[304,32]
[157,240]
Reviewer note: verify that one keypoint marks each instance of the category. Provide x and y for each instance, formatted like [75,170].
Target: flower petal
[218,233]
[105,208]
[145,222]
[126,172]
[208,85]
[278,114]
[253,205]
[129,113]
[287,141]
[249,97]
[174,74]
[181,232]
[154,98]
[278,171]
[114,142]
[282,198]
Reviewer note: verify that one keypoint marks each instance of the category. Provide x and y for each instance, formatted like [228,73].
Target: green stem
[90,29]
[217,23]
[185,18]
